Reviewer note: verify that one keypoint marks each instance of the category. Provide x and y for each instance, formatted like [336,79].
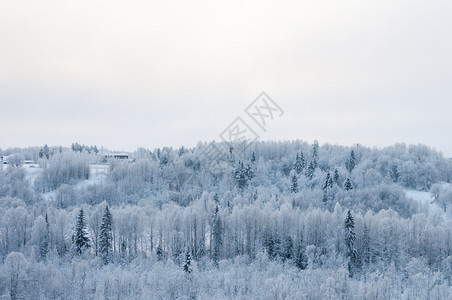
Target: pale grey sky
[125,74]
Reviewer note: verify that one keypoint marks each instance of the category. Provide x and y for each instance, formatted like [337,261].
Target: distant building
[116,155]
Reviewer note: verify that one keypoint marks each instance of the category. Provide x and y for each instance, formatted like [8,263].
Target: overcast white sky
[126,74]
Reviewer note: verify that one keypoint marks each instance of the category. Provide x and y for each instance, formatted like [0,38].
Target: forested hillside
[271,220]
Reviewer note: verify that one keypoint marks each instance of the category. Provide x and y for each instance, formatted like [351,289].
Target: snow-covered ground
[426,199]
[99,168]
[98,172]
[423,197]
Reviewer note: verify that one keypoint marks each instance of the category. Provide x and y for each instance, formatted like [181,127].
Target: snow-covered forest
[277,220]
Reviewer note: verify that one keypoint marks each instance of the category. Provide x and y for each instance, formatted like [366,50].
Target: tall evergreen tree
[310,170]
[159,253]
[351,162]
[277,246]
[217,236]
[187,262]
[106,237]
[287,248]
[328,183]
[80,237]
[44,244]
[299,164]
[336,176]
[348,185]
[350,238]
[294,186]
[269,243]
[243,174]
[315,154]
[326,188]
[299,258]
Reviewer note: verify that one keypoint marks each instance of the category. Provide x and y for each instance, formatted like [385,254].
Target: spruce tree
[217,237]
[159,253]
[277,246]
[294,186]
[348,185]
[242,175]
[187,262]
[287,251]
[326,187]
[80,237]
[336,176]
[315,154]
[310,170]
[44,243]
[106,237]
[253,157]
[350,238]
[269,243]
[328,183]
[352,161]
[299,257]
[299,164]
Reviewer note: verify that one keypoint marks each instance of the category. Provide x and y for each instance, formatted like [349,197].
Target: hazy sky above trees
[157,73]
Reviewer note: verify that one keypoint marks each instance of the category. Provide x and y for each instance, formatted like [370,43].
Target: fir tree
[294,186]
[299,164]
[253,157]
[310,170]
[315,154]
[348,185]
[106,237]
[181,151]
[287,251]
[394,173]
[328,183]
[242,175]
[269,243]
[326,187]
[44,244]
[352,161]
[277,246]
[299,257]
[187,262]
[159,253]
[164,161]
[217,236]
[80,237]
[350,238]
[336,176]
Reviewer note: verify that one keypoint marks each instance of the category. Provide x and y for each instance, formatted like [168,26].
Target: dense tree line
[281,220]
